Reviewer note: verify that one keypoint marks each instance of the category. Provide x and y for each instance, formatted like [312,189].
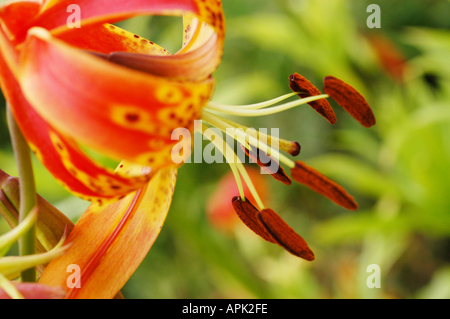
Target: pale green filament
[235,165]
[242,111]
[255,106]
[220,144]
[250,185]
[256,133]
[223,125]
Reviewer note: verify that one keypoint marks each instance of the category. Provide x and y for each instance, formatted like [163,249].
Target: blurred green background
[398,170]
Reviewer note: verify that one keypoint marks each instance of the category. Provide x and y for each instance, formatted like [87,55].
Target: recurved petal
[196,64]
[15,15]
[107,38]
[62,157]
[54,14]
[109,242]
[122,113]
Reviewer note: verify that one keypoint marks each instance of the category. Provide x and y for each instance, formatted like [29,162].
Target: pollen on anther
[350,100]
[298,83]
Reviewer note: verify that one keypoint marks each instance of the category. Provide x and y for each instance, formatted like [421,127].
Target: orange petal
[62,157]
[350,99]
[122,113]
[298,83]
[284,235]
[195,65]
[310,177]
[197,60]
[109,242]
[264,161]
[107,38]
[54,15]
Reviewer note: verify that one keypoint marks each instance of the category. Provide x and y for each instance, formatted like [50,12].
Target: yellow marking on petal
[157,159]
[36,152]
[187,110]
[59,145]
[211,12]
[169,94]
[156,144]
[130,116]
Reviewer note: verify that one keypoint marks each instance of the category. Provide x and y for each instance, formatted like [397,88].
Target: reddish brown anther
[350,99]
[284,235]
[270,226]
[318,182]
[294,148]
[298,83]
[247,213]
[266,162]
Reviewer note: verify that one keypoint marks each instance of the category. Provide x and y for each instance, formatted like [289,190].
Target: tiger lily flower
[101,87]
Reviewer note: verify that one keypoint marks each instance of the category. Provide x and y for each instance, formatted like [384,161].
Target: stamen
[266,165]
[298,83]
[255,106]
[270,226]
[221,145]
[223,125]
[350,99]
[272,110]
[290,147]
[284,235]
[310,177]
[235,165]
[248,215]
[250,185]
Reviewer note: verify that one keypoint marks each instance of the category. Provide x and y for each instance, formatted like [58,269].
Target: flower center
[262,148]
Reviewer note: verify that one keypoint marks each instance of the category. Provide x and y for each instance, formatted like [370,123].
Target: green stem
[28,197]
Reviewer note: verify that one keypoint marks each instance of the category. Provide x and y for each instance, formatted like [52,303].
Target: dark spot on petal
[132,117]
